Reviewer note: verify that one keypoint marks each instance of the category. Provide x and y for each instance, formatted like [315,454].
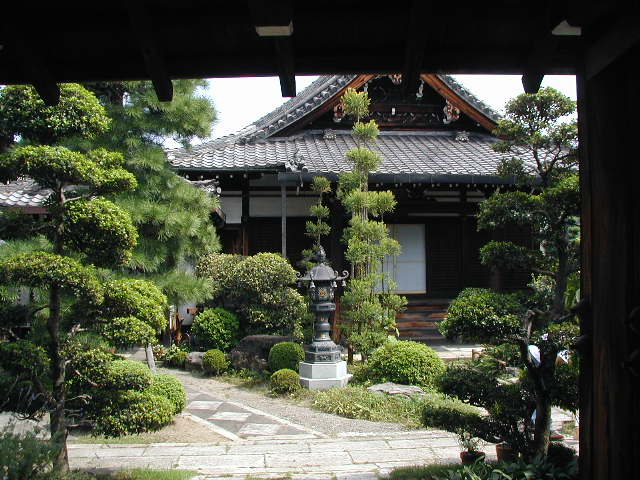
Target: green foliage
[134,412]
[368,311]
[127,375]
[405,362]
[285,355]
[23,113]
[507,256]
[173,216]
[215,361]
[176,359]
[127,331]
[481,315]
[169,387]
[261,272]
[216,328]
[448,413]
[357,402]
[467,381]
[24,358]
[57,167]
[257,287]
[219,267]
[26,456]
[41,269]
[137,298]
[99,229]
[284,381]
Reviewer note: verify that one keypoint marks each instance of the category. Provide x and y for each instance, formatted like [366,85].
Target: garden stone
[194,361]
[396,389]
[253,351]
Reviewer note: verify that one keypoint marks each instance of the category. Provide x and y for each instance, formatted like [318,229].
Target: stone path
[236,421]
[343,457]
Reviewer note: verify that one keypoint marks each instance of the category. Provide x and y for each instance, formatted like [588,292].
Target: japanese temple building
[435,142]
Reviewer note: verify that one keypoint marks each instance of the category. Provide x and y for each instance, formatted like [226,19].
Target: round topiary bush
[216,328]
[178,359]
[285,381]
[285,355]
[405,362]
[170,388]
[482,315]
[214,361]
[127,375]
[134,412]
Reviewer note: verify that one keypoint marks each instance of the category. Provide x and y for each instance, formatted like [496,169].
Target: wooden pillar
[283,217]
[608,104]
[245,219]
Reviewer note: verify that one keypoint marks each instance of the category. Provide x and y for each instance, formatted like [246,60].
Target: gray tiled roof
[402,152]
[254,147]
[22,193]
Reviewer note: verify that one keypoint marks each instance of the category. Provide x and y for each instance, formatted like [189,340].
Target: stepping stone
[259,429]
[235,416]
[203,405]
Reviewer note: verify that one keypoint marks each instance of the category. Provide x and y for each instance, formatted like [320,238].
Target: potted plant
[469,445]
[506,453]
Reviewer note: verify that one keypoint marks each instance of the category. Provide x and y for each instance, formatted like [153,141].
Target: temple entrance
[409,269]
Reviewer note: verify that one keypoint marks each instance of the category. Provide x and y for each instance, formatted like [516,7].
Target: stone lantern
[323,366]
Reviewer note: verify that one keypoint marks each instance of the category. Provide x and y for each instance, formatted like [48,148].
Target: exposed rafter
[275,19]
[414,48]
[142,28]
[37,73]
[612,44]
[536,64]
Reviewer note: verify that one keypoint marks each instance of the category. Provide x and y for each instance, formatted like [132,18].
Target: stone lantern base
[320,376]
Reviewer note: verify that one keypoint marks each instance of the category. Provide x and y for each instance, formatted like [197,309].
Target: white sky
[240,101]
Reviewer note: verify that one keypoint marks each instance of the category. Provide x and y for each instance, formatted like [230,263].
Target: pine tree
[174,218]
[369,305]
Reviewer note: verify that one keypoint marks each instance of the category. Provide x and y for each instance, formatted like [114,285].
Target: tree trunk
[150,360]
[58,426]
[542,425]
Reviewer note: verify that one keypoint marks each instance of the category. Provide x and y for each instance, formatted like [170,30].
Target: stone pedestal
[320,376]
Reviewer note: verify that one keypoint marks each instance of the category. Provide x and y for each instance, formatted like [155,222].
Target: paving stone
[258,429]
[270,448]
[204,405]
[233,416]
[332,459]
[190,450]
[224,461]
[121,452]
[378,456]
[356,445]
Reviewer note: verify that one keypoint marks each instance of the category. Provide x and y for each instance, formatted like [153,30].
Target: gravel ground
[326,423]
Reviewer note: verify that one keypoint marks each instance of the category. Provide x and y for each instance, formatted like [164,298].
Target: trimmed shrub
[177,359]
[134,412]
[482,315]
[216,328]
[405,362]
[285,381]
[219,268]
[25,456]
[214,361]
[285,355]
[467,382]
[127,375]
[560,454]
[451,414]
[170,388]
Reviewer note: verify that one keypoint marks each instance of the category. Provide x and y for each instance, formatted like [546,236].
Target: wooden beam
[283,219]
[414,49]
[142,29]
[622,36]
[38,74]
[537,62]
[286,69]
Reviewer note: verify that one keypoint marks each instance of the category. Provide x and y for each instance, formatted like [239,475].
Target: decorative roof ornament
[420,92]
[396,78]
[462,136]
[338,113]
[211,186]
[451,113]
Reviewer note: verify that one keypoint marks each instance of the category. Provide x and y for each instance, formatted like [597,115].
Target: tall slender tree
[369,304]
